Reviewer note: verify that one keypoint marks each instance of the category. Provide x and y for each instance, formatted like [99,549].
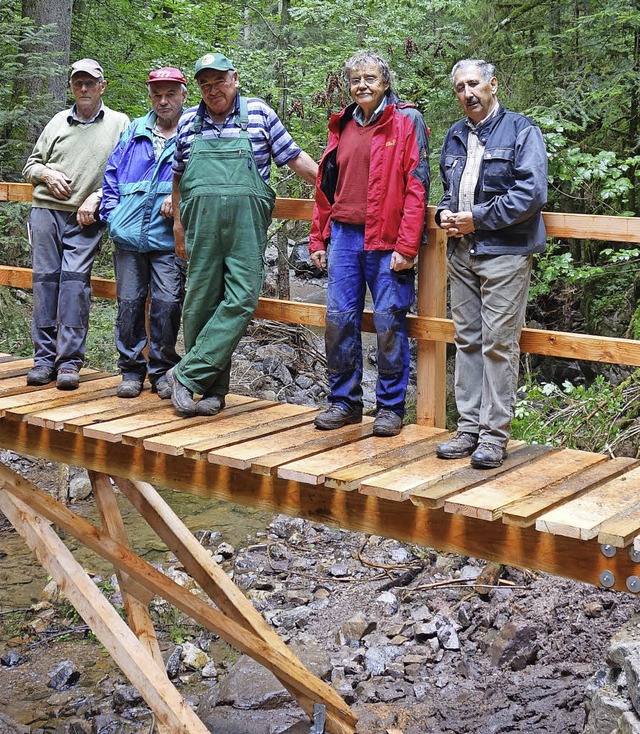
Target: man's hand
[319,259]
[458,224]
[400,262]
[178,238]
[166,209]
[57,183]
[86,214]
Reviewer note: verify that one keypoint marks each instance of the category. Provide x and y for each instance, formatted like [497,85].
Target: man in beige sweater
[66,168]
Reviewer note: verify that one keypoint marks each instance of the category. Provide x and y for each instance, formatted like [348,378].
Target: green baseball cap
[216,61]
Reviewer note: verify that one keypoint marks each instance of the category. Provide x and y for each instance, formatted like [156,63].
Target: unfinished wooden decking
[545,508]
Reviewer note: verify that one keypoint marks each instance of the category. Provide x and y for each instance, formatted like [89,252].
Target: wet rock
[301,262]
[79,726]
[64,675]
[515,645]
[284,526]
[275,367]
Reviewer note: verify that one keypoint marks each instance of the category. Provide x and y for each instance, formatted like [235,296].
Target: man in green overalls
[222,205]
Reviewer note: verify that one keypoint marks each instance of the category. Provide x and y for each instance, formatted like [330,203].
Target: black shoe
[41,375]
[129,388]
[181,397]
[488,456]
[210,406]
[162,388]
[387,423]
[68,379]
[461,445]
[336,416]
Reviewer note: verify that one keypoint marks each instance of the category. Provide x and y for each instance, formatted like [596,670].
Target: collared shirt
[475,151]
[358,114]
[269,138]
[74,119]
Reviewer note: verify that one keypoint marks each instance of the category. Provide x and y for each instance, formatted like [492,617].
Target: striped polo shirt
[268,136]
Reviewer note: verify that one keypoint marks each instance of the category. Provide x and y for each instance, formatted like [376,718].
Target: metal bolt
[607,579]
[608,551]
[633,584]
[634,554]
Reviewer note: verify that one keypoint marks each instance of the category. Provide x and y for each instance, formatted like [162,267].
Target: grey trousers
[488,304]
[62,254]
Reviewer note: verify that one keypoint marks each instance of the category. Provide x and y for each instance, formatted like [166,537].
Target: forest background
[572,65]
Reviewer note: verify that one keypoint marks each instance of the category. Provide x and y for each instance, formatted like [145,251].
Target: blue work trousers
[62,254]
[351,269]
[160,276]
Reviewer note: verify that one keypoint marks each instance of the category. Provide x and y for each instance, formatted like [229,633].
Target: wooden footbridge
[567,512]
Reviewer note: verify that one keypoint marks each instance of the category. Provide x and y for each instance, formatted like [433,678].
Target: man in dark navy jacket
[494,171]
[136,204]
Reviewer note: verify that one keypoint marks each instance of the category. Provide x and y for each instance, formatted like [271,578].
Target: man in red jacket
[368,221]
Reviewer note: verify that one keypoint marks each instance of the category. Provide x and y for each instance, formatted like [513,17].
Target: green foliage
[575,416]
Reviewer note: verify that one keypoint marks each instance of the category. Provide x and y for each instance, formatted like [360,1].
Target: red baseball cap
[166,74]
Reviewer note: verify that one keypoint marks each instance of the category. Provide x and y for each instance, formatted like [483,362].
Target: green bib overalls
[226,210]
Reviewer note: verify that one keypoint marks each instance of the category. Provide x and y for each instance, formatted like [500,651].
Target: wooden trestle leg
[135,648]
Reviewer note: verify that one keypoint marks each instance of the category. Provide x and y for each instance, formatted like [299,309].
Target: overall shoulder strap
[243,116]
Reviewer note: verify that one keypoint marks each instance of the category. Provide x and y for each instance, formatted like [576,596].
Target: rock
[79,726]
[275,367]
[226,550]
[11,658]
[284,526]
[628,723]
[376,659]
[515,645]
[64,675]
[209,670]
[125,697]
[625,642]
[301,262]
[447,635]
[193,658]
[173,662]
[389,602]
[79,485]
[606,709]
[11,726]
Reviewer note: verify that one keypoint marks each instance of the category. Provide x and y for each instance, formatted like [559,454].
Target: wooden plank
[525,512]
[351,477]
[91,388]
[620,532]
[432,494]
[487,501]
[400,483]
[14,368]
[222,426]
[269,428]
[101,409]
[583,517]
[313,469]
[158,421]
[112,631]
[304,440]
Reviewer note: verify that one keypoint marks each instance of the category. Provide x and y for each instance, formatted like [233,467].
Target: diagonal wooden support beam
[302,685]
[112,631]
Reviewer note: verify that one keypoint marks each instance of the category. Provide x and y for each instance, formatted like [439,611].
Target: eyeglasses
[369,81]
[88,83]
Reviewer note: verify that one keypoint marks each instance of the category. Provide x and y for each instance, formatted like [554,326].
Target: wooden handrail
[430,327]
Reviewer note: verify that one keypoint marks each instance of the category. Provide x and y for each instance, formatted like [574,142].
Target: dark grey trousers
[62,254]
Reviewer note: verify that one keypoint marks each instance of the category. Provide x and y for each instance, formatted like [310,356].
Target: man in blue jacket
[136,204]
[494,172]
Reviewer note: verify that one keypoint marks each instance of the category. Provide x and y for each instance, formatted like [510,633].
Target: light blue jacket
[134,187]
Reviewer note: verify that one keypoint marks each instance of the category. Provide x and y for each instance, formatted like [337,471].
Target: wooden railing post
[432,356]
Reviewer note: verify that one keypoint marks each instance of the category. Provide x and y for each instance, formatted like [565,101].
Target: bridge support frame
[134,647]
